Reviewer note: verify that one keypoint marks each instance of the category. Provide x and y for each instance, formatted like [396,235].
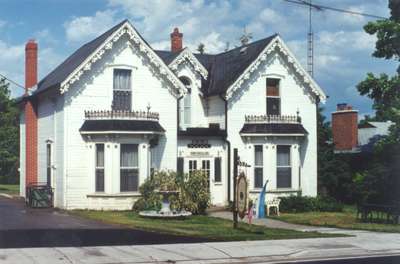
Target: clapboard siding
[94,92]
[250,99]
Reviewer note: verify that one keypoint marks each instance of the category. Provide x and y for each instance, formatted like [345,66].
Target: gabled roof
[62,71]
[81,60]
[224,68]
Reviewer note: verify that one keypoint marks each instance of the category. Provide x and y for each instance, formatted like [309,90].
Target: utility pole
[310,45]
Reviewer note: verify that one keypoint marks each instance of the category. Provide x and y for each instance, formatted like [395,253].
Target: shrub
[194,195]
[299,204]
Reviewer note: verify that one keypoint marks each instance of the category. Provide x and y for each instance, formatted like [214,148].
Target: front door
[204,165]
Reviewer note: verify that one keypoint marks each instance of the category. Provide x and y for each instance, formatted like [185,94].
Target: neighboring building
[114,111]
[349,137]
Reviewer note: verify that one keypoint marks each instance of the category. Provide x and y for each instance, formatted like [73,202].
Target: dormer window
[122,91]
[273,97]
[185,105]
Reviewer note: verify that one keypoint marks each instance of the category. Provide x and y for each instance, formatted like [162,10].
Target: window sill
[114,195]
[217,183]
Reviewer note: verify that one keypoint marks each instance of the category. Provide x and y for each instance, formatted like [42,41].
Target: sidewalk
[363,244]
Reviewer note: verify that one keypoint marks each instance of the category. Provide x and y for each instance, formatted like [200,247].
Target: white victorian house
[116,110]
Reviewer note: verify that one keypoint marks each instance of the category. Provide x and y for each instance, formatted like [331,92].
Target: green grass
[346,219]
[12,189]
[197,226]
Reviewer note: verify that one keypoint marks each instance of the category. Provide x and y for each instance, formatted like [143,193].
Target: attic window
[273,97]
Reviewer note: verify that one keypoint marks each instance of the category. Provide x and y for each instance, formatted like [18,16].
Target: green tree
[384,90]
[334,173]
[9,147]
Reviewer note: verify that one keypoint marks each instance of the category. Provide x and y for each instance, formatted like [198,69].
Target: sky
[342,50]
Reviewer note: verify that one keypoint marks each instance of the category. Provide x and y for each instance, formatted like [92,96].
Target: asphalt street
[25,227]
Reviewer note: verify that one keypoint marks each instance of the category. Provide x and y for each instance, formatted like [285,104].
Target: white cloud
[3,23]
[81,29]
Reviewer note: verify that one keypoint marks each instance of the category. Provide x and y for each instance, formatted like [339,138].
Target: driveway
[26,227]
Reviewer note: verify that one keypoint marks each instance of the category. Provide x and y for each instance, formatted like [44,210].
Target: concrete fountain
[165,211]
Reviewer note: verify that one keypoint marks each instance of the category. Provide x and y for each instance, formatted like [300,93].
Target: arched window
[186,105]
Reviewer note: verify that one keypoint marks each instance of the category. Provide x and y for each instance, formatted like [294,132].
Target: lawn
[12,189]
[346,219]
[197,226]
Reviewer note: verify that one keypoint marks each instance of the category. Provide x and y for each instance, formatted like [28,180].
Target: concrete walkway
[363,244]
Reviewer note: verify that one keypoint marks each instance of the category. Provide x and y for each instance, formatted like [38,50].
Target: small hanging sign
[241,195]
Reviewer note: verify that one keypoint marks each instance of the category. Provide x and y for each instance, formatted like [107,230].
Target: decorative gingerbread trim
[138,42]
[276,44]
[187,55]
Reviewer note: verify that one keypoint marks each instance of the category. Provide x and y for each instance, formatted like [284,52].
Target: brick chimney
[31,152]
[176,40]
[345,128]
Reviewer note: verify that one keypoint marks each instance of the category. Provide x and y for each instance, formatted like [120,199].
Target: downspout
[229,148]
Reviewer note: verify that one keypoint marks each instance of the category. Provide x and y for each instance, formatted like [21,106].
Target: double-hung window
[273,97]
[122,91]
[258,166]
[284,169]
[187,106]
[192,166]
[99,181]
[129,168]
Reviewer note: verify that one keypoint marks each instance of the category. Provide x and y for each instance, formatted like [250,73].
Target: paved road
[26,227]
[360,260]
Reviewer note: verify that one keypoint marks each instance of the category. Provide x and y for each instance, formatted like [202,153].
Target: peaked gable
[187,55]
[80,61]
[276,44]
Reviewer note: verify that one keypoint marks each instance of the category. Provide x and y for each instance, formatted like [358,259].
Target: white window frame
[258,166]
[99,167]
[130,167]
[287,166]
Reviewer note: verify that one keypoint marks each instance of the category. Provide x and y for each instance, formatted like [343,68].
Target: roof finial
[246,37]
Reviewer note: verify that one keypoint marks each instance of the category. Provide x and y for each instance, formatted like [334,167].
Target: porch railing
[287,119]
[121,114]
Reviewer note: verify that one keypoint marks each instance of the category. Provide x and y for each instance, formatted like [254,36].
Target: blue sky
[342,49]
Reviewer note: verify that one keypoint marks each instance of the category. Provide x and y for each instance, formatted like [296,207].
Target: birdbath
[166,206]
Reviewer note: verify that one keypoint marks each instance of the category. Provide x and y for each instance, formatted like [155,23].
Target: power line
[322,7]
[13,82]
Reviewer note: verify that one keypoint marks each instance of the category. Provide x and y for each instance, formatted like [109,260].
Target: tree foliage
[381,178]
[9,147]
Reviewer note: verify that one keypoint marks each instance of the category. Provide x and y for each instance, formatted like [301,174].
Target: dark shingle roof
[224,68]
[59,74]
[121,125]
[273,128]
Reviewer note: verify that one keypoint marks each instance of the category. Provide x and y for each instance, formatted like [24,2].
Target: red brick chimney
[31,152]
[176,40]
[345,128]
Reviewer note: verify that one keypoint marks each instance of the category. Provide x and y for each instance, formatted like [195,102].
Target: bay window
[99,181]
[129,168]
[284,169]
[258,166]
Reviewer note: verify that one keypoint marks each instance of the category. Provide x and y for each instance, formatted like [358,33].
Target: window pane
[258,158]
[258,177]
[99,155]
[99,180]
[122,100]
[273,106]
[129,180]
[129,155]
[272,87]
[122,79]
[217,169]
[187,108]
[283,156]
[284,177]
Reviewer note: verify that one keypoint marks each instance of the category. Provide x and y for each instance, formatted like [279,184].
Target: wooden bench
[389,213]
